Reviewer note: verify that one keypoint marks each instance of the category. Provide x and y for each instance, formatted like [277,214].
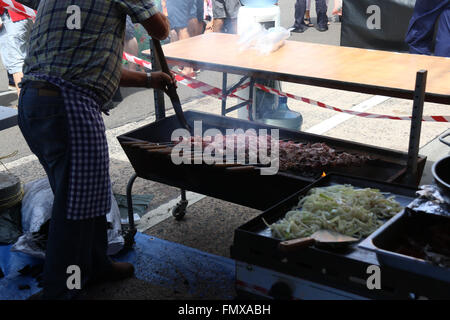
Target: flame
[324,174]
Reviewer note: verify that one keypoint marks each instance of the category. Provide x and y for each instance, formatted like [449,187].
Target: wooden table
[352,69]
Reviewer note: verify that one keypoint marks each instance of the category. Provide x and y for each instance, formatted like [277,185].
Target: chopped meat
[292,155]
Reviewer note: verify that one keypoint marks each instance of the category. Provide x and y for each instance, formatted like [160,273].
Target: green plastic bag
[10,224]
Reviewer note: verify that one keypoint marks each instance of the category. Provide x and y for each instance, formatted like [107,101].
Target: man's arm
[159,80]
[157,26]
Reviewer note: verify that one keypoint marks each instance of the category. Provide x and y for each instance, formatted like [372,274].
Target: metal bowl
[441,174]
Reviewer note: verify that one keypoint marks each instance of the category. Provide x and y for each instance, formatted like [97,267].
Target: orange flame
[324,174]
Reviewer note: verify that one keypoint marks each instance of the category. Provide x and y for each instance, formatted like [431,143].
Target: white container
[268,17]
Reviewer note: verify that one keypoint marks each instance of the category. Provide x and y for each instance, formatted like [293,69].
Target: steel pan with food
[349,206]
[441,172]
[343,208]
[415,242]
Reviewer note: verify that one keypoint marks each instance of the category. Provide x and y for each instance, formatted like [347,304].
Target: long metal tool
[171,90]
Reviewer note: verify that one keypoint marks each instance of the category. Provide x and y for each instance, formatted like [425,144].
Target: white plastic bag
[250,36]
[36,204]
[272,40]
[264,41]
[115,239]
[37,209]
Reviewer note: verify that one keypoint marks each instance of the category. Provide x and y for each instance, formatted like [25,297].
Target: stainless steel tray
[382,240]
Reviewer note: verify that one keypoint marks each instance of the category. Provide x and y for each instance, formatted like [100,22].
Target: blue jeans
[14,38]
[321,10]
[43,122]
[180,12]
[422,26]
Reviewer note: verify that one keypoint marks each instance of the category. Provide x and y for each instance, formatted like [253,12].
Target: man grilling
[73,68]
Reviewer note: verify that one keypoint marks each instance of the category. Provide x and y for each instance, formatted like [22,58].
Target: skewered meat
[292,155]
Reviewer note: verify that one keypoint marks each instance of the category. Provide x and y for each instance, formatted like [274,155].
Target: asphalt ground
[210,223]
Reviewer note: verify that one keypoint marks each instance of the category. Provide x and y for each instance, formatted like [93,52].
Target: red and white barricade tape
[216,92]
[15,6]
[130,58]
[352,112]
[206,88]
[187,81]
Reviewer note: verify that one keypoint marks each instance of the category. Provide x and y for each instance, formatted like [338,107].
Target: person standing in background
[197,26]
[182,16]
[428,13]
[15,28]
[308,14]
[337,11]
[225,11]
[300,10]
[131,45]
[208,16]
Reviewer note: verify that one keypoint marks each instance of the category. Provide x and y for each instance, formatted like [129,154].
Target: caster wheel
[180,210]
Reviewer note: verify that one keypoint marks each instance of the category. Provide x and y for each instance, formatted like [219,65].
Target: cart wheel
[179,211]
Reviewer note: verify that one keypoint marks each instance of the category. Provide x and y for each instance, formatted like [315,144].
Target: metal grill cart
[142,147]
[351,69]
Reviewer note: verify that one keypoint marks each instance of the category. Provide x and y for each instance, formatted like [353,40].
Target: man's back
[82,43]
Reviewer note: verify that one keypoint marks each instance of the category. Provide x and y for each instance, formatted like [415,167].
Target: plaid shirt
[86,65]
[90,57]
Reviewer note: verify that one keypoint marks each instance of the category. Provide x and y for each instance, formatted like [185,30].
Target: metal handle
[445,135]
[242,168]
[160,56]
[171,89]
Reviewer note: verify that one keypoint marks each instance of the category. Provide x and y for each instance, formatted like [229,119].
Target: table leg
[224,94]
[416,127]
[250,99]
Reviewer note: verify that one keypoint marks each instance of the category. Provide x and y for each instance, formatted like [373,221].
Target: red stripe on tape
[439,118]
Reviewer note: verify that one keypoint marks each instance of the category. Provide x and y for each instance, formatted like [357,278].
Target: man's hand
[1,25]
[160,80]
